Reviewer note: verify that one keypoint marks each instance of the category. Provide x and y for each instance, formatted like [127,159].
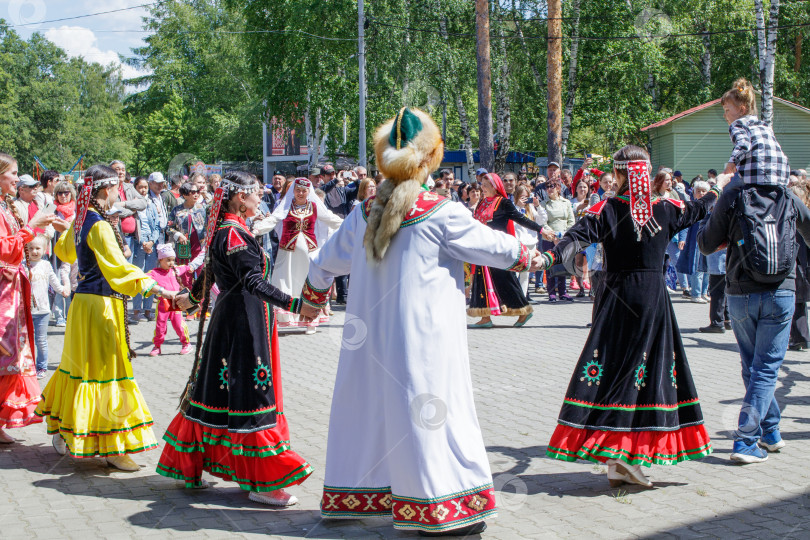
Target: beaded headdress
[638,183]
[83,202]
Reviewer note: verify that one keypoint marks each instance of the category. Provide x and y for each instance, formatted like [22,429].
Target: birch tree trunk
[572,80]
[465,132]
[706,58]
[311,142]
[503,115]
[766,44]
[462,110]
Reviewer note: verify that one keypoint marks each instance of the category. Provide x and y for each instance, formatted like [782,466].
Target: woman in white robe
[302,223]
[403,425]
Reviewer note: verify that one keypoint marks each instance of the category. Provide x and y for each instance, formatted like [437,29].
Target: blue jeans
[41,339]
[699,283]
[146,262]
[130,242]
[761,324]
[60,307]
[674,254]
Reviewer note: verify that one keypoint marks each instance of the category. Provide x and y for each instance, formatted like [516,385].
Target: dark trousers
[556,284]
[718,307]
[341,288]
[799,331]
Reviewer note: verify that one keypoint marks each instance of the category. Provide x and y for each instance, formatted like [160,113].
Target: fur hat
[407,147]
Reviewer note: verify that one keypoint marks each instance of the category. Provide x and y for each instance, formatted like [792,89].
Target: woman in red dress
[19,390]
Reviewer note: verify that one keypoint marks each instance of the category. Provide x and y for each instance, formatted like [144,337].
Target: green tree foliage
[58,108]
[199,83]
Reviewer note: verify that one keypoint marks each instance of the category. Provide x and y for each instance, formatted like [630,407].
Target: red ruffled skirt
[19,395]
[259,461]
[634,448]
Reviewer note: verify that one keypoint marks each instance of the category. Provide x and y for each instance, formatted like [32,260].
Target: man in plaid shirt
[757,155]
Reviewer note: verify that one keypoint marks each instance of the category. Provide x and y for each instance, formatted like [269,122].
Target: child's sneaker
[155,352]
[41,373]
[186,349]
[61,323]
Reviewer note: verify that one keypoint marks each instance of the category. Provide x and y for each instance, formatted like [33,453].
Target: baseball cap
[26,180]
[157,177]
[328,169]
[314,170]
[480,171]
[553,164]
[677,173]
[278,173]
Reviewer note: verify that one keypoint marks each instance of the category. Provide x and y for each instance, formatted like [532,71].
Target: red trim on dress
[597,208]
[20,395]
[314,297]
[439,514]
[258,461]
[636,447]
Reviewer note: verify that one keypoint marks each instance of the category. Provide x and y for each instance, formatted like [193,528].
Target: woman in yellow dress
[92,405]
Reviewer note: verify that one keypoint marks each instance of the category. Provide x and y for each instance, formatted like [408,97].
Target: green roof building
[697,139]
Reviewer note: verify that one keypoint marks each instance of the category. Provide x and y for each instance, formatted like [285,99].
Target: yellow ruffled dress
[92,400]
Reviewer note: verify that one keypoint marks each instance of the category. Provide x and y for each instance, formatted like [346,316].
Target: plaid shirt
[757,154]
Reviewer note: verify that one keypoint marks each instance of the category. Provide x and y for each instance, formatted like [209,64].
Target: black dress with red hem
[498,213]
[631,396]
[234,425]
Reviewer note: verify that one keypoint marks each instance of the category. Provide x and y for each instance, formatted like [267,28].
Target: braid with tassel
[20,223]
[98,207]
[208,283]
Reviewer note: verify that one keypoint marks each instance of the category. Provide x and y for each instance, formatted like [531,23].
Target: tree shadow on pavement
[222,507]
[787,518]
[591,481]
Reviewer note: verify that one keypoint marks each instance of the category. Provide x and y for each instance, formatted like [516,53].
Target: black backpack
[767,219]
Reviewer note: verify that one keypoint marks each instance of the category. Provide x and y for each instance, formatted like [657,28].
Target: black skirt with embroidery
[631,395]
[234,425]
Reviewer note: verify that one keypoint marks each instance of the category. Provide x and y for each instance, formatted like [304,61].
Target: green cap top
[406,126]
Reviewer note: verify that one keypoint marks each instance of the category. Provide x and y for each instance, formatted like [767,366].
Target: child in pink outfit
[171,278]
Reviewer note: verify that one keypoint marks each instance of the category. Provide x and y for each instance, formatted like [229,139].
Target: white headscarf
[283,208]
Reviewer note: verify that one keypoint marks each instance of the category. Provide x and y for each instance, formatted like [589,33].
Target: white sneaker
[123,463]
[697,300]
[278,497]
[59,444]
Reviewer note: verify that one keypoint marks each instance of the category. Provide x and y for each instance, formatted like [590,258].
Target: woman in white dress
[302,223]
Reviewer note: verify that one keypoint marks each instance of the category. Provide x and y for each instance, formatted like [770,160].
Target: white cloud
[82,42]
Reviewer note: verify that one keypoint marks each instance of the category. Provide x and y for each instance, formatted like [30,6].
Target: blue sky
[97,39]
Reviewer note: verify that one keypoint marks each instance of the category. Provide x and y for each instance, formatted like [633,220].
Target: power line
[84,16]
[601,38]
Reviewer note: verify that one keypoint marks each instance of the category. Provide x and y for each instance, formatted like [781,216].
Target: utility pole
[361,56]
[554,81]
[486,142]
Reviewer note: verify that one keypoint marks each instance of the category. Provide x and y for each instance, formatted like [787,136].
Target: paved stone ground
[520,376]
